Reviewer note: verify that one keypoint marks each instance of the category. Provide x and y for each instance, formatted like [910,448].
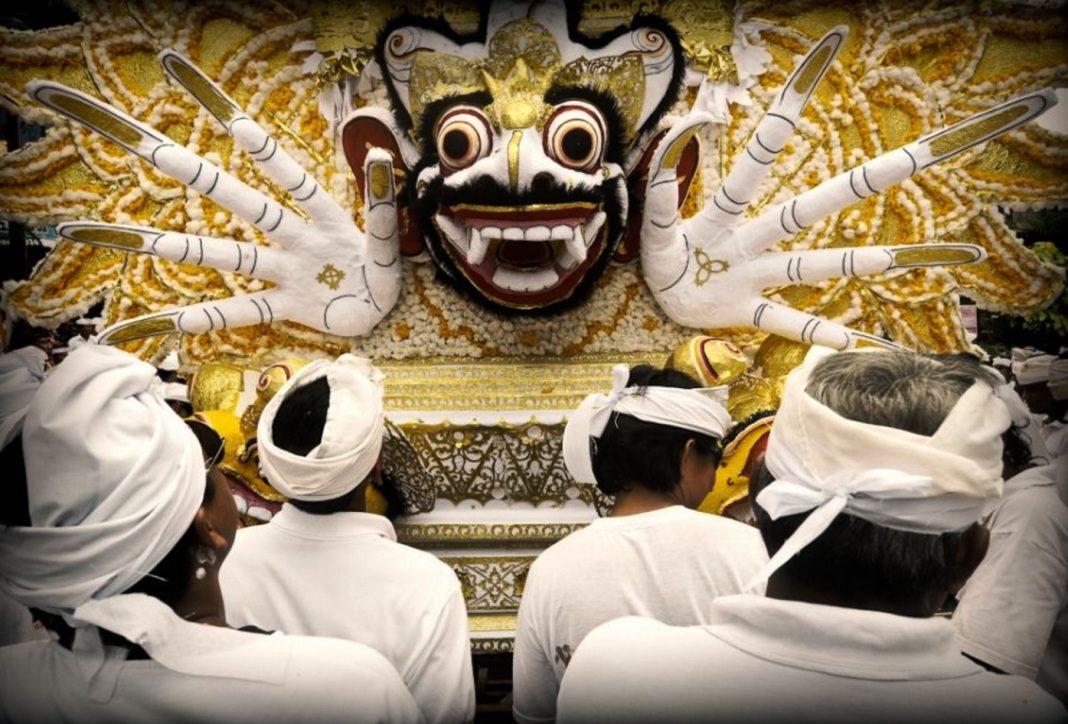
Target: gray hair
[893,388]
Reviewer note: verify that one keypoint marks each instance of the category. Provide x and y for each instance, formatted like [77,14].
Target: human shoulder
[1036,512]
[321,667]
[1008,697]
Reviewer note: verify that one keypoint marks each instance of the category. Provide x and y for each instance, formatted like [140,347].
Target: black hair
[298,428]
[16,508]
[1017,455]
[864,557]
[300,420]
[634,452]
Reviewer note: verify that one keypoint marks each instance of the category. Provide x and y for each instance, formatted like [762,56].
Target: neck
[639,499]
[785,588]
[202,601]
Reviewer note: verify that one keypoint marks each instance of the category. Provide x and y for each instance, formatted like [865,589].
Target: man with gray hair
[878,467]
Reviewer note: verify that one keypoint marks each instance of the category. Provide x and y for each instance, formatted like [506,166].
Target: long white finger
[253,260]
[751,167]
[803,327]
[263,308]
[784,220]
[381,258]
[175,161]
[665,249]
[813,266]
[265,150]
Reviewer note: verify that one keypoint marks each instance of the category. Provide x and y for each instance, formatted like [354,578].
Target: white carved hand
[712,270]
[327,273]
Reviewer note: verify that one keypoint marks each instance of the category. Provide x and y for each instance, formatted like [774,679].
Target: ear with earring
[205,558]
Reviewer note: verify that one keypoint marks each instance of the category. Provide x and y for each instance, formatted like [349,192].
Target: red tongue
[524,254]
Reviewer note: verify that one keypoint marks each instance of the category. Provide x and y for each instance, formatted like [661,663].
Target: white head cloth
[1019,354]
[21,373]
[1033,370]
[170,362]
[114,480]
[700,410]
[352,436]
[828,464]
[1030,428]
[1058,379]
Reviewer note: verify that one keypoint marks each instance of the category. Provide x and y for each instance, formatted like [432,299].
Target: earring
[205,557]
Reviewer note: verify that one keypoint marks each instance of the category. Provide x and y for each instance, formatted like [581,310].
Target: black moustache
[544,189]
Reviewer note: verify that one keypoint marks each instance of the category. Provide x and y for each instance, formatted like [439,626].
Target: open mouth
[523,250]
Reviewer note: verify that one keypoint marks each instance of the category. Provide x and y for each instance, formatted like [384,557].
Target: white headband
[352,435]
[1033,370]
[700,410]
[1058,379]
[828,464]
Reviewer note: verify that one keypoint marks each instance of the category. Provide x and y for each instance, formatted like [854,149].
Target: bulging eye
[575,136]
[463,137]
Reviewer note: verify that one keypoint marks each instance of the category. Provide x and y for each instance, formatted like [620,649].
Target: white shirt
[306,679]
[344,575]
[763,660]
[1056,438]
[1008,611]
[666,564]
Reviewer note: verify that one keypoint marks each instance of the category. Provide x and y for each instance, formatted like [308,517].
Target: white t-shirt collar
[840,641]
[332,525]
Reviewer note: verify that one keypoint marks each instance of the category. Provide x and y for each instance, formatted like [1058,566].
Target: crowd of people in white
[909,559]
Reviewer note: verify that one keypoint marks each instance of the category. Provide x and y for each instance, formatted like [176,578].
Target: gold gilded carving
[110,237]
[401,464]
[216,386]
[518,114]
[674,153]
[808,75]
[524,40]
[502,462]
[330,276]
[462,535]
[711,361]
[622,77]
[439,75]
[973,132]
[931,257]
[208,95]
[491,583]
[98,118]
[142,328]
[708,34]
[707,266]
[513,159]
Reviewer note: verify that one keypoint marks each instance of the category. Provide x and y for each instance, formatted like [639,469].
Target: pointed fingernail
[937,255]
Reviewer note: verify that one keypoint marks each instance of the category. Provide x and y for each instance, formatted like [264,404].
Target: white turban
[1033,370]
[114,479]
[352,436]
[1058,379]
[1029,424]
[21,373]
[829,464]
[170,362]
[700,410]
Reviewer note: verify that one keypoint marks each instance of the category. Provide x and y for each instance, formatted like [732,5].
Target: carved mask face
[519,189]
